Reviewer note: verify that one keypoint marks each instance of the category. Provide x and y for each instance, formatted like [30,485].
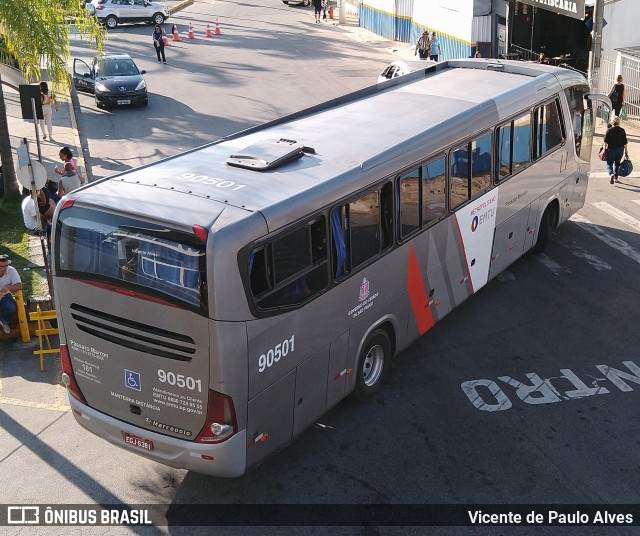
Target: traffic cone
[176,35]
[191,34]
[218,32]
[209,32]
[165,39]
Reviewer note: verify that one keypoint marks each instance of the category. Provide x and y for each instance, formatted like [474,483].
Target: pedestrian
[423,46]
[478,55]
[9,282]
[325,3]
[69,181]
[615,143]
[317,7]
[30,214]
[66,156]
[48,101]
[158,43]
[436,50]
[616,94]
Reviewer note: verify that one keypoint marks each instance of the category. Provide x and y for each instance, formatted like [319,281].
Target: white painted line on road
[618,214]
[37,405]
[636,201]
[552,265]
[603,235]
[581,253]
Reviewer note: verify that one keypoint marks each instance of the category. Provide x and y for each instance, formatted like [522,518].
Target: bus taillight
[68,378]
[221,421]
[201,233]
[67,203]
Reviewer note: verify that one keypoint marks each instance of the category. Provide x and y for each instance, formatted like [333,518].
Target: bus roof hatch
[268,154]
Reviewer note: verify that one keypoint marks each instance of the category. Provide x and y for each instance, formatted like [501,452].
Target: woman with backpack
[617,95]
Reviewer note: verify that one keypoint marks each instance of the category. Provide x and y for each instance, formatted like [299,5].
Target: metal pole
[596,45]
[35,124]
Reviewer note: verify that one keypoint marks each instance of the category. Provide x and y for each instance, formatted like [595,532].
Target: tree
[35,33]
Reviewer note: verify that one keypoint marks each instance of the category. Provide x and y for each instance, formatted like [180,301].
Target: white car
[400,67]
[291,2]
[114,12]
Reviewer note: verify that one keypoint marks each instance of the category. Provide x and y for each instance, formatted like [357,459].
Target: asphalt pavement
[29,394]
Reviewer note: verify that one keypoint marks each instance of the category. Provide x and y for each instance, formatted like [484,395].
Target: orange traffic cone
[218,32]
[191,34]
[209,32]
[165,39]
[176,35]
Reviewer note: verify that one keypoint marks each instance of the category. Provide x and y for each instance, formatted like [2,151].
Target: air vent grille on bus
[134,335]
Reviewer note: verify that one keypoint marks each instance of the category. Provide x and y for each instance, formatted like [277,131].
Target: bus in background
[214,304]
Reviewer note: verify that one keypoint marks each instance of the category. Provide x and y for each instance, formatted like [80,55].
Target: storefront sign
[570,8]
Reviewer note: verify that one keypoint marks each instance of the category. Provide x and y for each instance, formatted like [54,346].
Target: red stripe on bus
[418,295]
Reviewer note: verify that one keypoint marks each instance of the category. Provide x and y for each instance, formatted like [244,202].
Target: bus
[214,304]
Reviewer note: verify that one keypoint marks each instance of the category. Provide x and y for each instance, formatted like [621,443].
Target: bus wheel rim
[372,366]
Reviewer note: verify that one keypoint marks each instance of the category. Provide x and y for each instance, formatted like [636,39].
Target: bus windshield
[97,245]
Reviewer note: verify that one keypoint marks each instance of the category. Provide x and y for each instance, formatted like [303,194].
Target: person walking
[435,47]
[317,8]
[48,101]
[615,143]
[158,43]
[423,46]
[9,282]
[616,94]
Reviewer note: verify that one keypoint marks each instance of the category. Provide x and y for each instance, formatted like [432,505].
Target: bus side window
[514,146]
[581,120]
[548,128]
[504,136]
[433,195]
[362,229]
[459,191]
[480,164]
[521,142]
[290,268]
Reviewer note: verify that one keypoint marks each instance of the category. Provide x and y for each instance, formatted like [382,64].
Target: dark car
[114,79]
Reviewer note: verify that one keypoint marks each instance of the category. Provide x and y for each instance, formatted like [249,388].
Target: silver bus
[215,304]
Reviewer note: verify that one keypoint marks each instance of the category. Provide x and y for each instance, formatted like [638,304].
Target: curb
[181,5]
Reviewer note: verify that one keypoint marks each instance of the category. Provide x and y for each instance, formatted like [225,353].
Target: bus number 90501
[180,380]
[273,355]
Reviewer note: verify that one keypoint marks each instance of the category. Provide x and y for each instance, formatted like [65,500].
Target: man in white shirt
[9,282]
[30,213]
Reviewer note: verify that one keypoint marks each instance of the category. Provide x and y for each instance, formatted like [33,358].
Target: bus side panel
[229,364]
[311,390]
[337,372]
[508,242]
[270,419]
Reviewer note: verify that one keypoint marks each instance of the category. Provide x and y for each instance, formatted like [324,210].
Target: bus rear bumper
[226,459]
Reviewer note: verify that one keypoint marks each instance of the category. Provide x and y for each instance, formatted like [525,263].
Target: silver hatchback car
[114,12]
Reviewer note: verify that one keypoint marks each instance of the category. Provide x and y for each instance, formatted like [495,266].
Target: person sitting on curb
[69,181]
[9,282]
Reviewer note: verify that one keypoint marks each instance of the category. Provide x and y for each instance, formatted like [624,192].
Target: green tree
[35,33]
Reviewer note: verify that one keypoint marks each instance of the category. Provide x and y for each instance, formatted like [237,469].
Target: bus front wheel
[373,364]
[544,231]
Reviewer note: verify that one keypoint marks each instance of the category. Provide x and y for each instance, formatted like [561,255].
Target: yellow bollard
[22,316]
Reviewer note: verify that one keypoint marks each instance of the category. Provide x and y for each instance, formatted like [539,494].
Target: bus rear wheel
[373,364]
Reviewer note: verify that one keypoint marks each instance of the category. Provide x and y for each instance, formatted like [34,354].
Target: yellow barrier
[43,331]
[22,316]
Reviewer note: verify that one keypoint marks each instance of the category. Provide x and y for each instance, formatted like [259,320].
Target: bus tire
[373,364]
[544,232]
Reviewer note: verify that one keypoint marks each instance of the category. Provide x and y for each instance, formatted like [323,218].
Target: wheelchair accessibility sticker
[132,380]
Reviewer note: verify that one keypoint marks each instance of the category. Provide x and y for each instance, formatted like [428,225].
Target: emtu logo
[474,224]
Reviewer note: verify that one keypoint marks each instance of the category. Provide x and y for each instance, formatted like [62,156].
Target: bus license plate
[124,101]
[137,441]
